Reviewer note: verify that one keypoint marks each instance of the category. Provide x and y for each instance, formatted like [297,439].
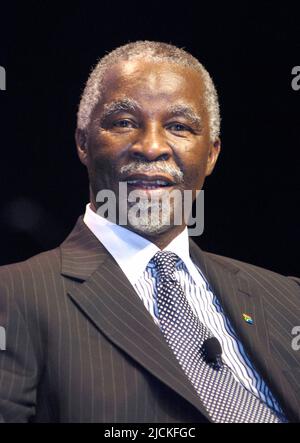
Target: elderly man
[132,322]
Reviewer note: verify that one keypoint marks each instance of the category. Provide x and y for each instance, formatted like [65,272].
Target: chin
[149,229]
[148,226]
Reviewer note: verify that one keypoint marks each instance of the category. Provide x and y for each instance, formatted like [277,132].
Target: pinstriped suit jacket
[81,347]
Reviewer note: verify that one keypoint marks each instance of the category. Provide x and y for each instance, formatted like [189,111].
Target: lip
[142,181]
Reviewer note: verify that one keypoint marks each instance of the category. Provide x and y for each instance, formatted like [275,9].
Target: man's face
[150,130]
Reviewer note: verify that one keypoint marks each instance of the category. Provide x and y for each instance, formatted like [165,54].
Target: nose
[151,144]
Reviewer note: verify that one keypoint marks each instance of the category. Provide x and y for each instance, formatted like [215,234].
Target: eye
[124,124]
[178,127]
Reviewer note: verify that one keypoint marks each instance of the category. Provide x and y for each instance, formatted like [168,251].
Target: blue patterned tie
[225,399]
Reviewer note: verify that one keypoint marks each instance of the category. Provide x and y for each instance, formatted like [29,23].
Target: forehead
[153,82]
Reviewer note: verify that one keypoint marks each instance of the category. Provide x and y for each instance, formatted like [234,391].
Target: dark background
[252,199]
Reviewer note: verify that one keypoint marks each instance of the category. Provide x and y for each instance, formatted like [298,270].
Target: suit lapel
[234,293]
[109,301]
[237,297]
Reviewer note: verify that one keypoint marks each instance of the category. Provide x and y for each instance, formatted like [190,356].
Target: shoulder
[33,269]
[30,285]
[28,289]
[256,273]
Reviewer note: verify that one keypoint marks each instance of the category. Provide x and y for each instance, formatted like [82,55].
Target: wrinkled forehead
[150,81]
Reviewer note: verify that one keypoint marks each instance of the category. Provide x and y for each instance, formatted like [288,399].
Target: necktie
[225,399]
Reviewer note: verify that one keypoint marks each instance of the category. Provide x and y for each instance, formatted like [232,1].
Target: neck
[163,239]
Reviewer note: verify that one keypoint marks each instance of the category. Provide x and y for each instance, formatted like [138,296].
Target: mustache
[163,167]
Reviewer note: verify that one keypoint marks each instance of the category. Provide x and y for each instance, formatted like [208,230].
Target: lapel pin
[248,319]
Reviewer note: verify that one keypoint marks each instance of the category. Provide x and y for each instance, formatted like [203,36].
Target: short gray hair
[156,51]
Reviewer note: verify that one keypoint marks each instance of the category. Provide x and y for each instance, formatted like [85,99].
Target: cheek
[108,147]
[195,167]
[100,165]
[105,156]
[195,177]
[101,152]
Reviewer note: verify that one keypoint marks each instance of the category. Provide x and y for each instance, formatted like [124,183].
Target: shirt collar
[130,250]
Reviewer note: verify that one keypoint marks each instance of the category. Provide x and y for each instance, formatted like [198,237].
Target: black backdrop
[252,199]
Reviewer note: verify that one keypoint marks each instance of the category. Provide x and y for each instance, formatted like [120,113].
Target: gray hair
[156,51]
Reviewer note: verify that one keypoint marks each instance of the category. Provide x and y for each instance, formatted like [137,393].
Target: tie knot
[165,262]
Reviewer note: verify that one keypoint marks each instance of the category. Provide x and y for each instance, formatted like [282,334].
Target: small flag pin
[248,319]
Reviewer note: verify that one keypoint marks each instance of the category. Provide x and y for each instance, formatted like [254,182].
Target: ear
[81,144]
[213,155]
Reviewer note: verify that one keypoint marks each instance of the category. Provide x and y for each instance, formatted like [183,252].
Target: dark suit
[81,346]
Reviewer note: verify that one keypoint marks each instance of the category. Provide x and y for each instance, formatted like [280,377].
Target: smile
[148,184]
[141,181]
